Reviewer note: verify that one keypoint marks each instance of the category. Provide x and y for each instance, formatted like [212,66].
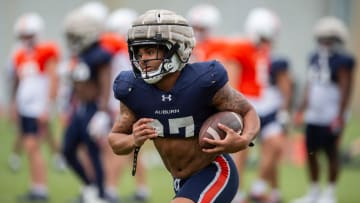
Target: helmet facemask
[28,40]
[161,28]
[169,60]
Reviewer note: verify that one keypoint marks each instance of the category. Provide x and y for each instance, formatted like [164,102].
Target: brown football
[210,129]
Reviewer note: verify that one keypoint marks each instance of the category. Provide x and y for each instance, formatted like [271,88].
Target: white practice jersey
[270,99]
[323,90]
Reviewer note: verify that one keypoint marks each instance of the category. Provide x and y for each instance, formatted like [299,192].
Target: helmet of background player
[120,20]
[262,24]
[96,9]
[330,32]
[81,30]
[162,28]
[203,18]
[28,28]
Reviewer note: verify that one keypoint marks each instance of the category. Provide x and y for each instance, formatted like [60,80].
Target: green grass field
[64,187]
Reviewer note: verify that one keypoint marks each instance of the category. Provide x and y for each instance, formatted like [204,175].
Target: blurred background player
[266,82]
[273,104]
[96,9]
[34,80]
[204,18]
[325,105]
[114,39]
[66,99]
[114,42]
[28,30]
[90,119]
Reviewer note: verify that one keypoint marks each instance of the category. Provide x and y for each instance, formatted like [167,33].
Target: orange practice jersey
[253,64]
[113,42]
[209,49]
[40,55]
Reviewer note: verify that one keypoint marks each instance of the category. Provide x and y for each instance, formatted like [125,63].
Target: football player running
[165,99]
[325,103]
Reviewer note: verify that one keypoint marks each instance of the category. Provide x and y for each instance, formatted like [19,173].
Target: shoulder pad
[279,64]
[96,56]
[211,75]
[51,49]
[345,60]
[123,84]
[113,42]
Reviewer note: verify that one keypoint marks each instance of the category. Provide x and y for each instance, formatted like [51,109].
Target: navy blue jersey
[181,111]
[327,71]
[277,65]
[95,57]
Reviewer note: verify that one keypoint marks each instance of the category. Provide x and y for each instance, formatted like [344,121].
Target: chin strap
[136,152]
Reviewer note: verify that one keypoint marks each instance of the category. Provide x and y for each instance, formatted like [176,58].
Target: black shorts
[320,138]
[29,125]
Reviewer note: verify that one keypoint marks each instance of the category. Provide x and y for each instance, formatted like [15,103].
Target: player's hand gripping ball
[210,128]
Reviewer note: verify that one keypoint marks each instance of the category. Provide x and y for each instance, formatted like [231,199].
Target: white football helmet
[329,27]
[29,24]
[96,9]
[261,23]
[81,30]
[120,20]
[204,15]
[164,28]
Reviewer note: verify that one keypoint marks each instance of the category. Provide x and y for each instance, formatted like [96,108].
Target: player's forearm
[103,101]
[285,87]
[14,87]
[54,81]
[120,143]
[228,99]
[104,96]
[303,103]
[345,92]
[121,138]
[105,78]
[251,124]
